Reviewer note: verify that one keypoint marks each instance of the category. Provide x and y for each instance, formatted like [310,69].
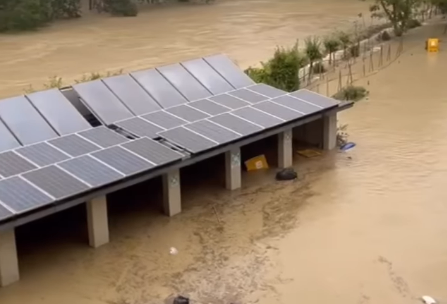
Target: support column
[285,149]
[330,131]
[172,199]
[98,224]
[233,169]
[9,265]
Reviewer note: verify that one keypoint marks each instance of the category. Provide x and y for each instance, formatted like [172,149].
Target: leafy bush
[385,36]
[30,14]
[124,8]
[354,51]
[318,68]
[351,93]
[281,71]
[412,23]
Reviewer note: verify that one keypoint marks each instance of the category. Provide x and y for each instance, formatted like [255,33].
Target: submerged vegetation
[21,15]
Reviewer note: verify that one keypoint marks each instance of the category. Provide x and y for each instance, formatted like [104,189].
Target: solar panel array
[40,174]
[51,153]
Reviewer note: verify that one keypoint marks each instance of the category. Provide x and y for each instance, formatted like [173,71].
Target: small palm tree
[331,45]
[313,52]
[345,41]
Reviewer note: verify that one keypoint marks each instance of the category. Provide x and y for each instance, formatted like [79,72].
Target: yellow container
[256,163]
[433,45]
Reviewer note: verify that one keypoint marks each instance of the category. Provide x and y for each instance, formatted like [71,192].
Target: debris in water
[181,300]
[173,251]
[347,146]
[428,300]
[286,174]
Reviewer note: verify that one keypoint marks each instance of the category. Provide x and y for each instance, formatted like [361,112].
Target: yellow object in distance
[256,163]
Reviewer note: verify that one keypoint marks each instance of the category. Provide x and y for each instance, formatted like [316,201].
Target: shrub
[354,51]
[281,71]
[124,8]
[318,68]
[385,36]
[351,93]
[412,23]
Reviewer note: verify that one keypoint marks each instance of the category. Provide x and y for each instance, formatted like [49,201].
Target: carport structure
[152,123]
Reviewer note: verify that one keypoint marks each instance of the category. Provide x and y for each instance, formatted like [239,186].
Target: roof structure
[150,119]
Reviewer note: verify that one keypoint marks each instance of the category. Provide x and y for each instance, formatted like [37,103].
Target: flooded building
[62,148]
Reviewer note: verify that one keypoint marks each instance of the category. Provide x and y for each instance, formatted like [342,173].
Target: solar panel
[131,94]
[153,151]
[209,78]
[102,102]
[229,101]
[159,88]
[5,213]
[56,182]
[260,118]
[184,82]
[208,106]
[123,160]
[296,104]
[267,90]
[164,119]
[140,127]
[248,96]
[58,111]
[187,113]
[315,98]
[213,131]
[236,124]
[74,145]
[42,154]
[13,164]
[189,140]
[7,140]
[23,120]
[103,137]
[21,196]
[91,171]
[228,70]
[278,110]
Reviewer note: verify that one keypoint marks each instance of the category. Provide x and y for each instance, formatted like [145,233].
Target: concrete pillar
[233,169]
[172,198]
[285,149]
[330,131]
[9,265]
[98,224]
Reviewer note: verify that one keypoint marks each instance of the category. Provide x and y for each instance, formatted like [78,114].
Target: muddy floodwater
[369,228]
[246,30]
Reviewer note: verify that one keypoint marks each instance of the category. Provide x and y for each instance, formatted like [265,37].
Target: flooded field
[370,229]
[247,31]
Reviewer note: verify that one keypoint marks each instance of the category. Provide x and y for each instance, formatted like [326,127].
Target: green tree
[312,49]
[331,45]
[345,42]
[398,12]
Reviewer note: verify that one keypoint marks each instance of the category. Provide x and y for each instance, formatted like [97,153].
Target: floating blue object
[347,146]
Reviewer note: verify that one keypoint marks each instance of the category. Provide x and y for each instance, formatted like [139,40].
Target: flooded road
[247,31]
[370,229]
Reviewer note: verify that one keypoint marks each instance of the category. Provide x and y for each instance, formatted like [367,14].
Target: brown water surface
[247,31]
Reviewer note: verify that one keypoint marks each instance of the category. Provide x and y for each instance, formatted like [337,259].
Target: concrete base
[9,265]
[172,199]
[98,224]
[285,149]
[330,131]
[233,169]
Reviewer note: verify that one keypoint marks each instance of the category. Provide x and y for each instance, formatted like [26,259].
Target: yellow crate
[433,45]
[256,163]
